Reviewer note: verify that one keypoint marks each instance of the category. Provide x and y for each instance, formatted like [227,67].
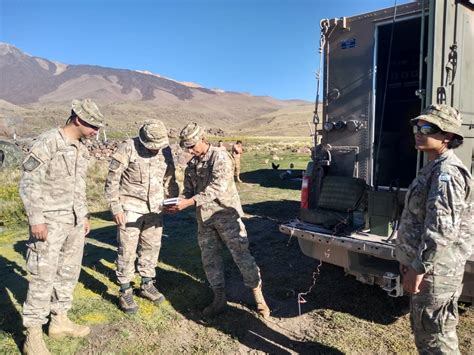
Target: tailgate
[363,243]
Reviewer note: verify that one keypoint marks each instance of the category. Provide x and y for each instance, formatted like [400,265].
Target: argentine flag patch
[444,177]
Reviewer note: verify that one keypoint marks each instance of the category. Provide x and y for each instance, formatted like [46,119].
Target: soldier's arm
[34,169]
[81,197]
[446,200]
[188,191]
[222,174]
[467,226]
[118,164]
[171,187]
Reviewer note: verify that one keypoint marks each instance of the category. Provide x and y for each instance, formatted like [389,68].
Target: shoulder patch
[114,164]
[444,177]
[31,163]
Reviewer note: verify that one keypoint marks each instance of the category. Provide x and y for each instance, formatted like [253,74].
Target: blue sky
[264,47]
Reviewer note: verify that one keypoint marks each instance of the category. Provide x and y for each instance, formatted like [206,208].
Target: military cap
[447,118]
[190,135]
[153,135]
[88,112]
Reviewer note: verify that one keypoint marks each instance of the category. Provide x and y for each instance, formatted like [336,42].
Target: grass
[340,315]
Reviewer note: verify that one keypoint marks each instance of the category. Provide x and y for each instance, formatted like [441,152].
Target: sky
[263,47]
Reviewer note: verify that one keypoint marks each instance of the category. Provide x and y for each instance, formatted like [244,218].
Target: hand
[119,219]
[411,280]
[169,210]
[87,226]
[39,231]
[181,205]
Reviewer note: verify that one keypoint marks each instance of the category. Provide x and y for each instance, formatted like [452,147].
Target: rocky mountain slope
[35,93]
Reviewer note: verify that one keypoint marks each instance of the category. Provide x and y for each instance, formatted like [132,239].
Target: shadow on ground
[271,178]
[285,272]
[12,288]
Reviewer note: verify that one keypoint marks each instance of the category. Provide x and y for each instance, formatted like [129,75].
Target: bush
[11,208]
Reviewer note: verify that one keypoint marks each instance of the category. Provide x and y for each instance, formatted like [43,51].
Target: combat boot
[262,307]
[150,292]
[61,326]
[34,342]
[218,304]
[126,301]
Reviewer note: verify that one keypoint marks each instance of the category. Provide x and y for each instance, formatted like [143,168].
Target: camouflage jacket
[53,182]
[210,180]
[436,228]
[139,180]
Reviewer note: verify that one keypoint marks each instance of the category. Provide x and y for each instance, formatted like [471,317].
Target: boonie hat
[447,118]
[153,135]
[88,111]
[190,135]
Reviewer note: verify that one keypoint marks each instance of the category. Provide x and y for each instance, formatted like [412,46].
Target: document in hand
[171,201]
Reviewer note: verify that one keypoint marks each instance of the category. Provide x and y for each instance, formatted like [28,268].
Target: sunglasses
[84,123]
[425,129]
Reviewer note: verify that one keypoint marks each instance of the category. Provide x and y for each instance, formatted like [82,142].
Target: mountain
[36,94]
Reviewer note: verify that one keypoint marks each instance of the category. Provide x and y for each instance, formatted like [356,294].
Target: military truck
[380,69]
[11,154]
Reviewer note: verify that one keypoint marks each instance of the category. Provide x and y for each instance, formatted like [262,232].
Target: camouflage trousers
[236,167]
[54,266]
[225,228]
[141,236]
[434,318]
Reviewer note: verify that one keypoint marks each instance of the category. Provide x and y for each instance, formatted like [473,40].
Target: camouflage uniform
[435,239]
[138,181]
[236,154]
[209,180]
[53,190]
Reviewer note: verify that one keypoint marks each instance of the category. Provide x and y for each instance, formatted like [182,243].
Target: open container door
[451,64]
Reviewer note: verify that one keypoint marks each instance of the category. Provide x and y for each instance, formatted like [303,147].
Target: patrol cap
[88,111]
[153,135]
[447,118]
[190,135]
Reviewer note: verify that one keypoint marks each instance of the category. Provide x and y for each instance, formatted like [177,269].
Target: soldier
[436,232]
[209,185]
[141,175]
[53,190]
[236,154]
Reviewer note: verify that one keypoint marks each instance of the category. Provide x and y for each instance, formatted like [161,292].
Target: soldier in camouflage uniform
[237,154]
[141,175]
[209,185]
[435,237]
[53,190]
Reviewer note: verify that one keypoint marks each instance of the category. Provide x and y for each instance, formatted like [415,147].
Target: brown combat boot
[34,343]
[61,326]
[218,304]
[126,301]
[150,292]
[262,307]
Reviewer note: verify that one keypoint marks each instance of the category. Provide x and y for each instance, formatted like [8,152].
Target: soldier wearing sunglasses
[435,237]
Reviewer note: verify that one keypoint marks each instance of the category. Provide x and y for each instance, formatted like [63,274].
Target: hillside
[35,94]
